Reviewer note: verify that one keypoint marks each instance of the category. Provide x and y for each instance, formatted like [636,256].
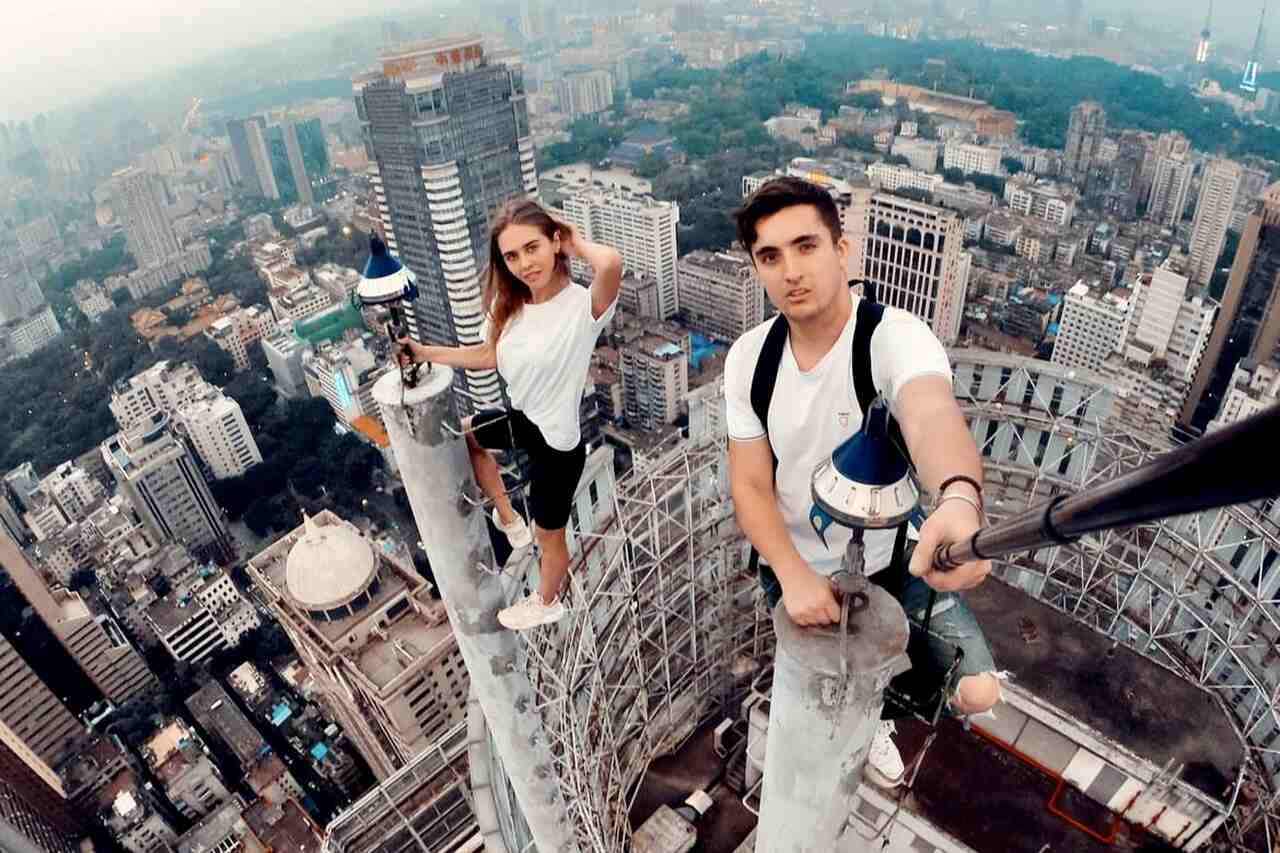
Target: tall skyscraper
[1202,46]
[913,258]
[1172,179]
[720,293]
[163,482]
[363,621]
[1253,67]
[584,93]
[1248,325]
[642,228]
[151,237]
[1218,189]
[38,735]
[1091,328]
[301,181]
[1086,130]
[253,155]
[25,827]
[94,642]
[217,430]
[448,136]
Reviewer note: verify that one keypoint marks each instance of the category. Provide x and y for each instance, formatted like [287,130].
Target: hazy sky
[56,51]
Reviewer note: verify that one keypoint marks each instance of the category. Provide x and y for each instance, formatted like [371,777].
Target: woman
[541,331]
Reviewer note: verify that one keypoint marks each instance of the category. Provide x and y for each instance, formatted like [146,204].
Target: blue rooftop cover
[280,713]
[319,751]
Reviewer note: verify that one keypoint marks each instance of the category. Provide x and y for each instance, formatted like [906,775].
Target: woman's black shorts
[553,474]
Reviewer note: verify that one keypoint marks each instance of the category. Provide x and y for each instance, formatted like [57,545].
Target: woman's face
[529,255]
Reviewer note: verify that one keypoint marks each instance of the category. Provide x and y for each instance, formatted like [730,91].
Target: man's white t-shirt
[813,411]
[544,355]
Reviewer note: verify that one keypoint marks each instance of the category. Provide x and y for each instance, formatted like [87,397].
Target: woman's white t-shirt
[544,355]
[813,411]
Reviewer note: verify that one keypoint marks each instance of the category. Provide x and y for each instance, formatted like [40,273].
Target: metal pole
[437,473]
[828,689]
[1230,466]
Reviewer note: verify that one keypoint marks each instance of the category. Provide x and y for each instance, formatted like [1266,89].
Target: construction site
[1140,712]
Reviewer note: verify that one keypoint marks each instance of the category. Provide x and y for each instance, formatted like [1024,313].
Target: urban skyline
[252,597]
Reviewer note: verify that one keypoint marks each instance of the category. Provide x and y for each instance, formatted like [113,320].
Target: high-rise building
[584,93]
[921,154]
[720,293]
[237,333]
[912,257]
[642,228]
[293,151]
[363,621]
[34,725]
[655,378]
[1253,387]
[343,374]
[894,176]
[1253,67]
[253,156]
[150,236]
[971,158]
[473,151]
[1203,45]
[1031,196]
[1248,326]
[1171,179]
[1218,189]
[284,351]
[163,387]
[203,614]
[94,641]
[1087,128]
[165,486]
[20,338]
[1091,328]
[215,426]
[20,295]
[25,828]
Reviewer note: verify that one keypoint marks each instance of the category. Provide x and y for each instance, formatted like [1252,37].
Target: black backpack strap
[864,385]
[763,381]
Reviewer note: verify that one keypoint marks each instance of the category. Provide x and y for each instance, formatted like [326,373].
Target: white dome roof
[329,566]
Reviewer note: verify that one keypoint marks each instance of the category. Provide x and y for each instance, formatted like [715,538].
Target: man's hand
[810,600]
[952,521]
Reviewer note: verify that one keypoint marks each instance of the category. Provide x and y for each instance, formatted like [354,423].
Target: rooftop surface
[1122,695]
[217,712]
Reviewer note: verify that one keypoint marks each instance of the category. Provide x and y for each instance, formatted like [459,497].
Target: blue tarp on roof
[280,713]
[319,751]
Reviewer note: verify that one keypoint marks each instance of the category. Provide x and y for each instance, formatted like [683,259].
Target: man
[792,230]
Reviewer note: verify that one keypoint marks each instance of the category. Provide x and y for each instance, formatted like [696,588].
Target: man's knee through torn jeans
[952,625]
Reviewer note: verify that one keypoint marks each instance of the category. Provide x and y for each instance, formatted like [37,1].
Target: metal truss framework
[666,631]
[1191,593]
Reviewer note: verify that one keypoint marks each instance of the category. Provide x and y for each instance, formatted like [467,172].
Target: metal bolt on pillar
[437,473]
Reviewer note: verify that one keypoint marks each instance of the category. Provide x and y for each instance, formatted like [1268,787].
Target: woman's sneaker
[517,532]
[884,763]
[530,612]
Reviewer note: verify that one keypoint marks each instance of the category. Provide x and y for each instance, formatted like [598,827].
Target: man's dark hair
[779,194]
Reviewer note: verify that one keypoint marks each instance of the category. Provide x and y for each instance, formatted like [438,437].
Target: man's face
[802,269]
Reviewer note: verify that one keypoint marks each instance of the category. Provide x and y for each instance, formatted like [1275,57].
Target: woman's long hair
[504,293]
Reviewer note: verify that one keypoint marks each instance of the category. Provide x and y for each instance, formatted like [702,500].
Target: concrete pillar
[437,473]
[822,718]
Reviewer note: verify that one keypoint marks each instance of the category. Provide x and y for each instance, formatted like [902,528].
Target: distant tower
[1075,11]
[1254,65]
[1085,131]
[1202,49]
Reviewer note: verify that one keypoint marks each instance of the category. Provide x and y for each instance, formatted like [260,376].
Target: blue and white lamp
[388,282]
[866,484]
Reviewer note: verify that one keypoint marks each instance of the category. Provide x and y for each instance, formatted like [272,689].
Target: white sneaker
[530,612]
[517,531]
[884,765]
